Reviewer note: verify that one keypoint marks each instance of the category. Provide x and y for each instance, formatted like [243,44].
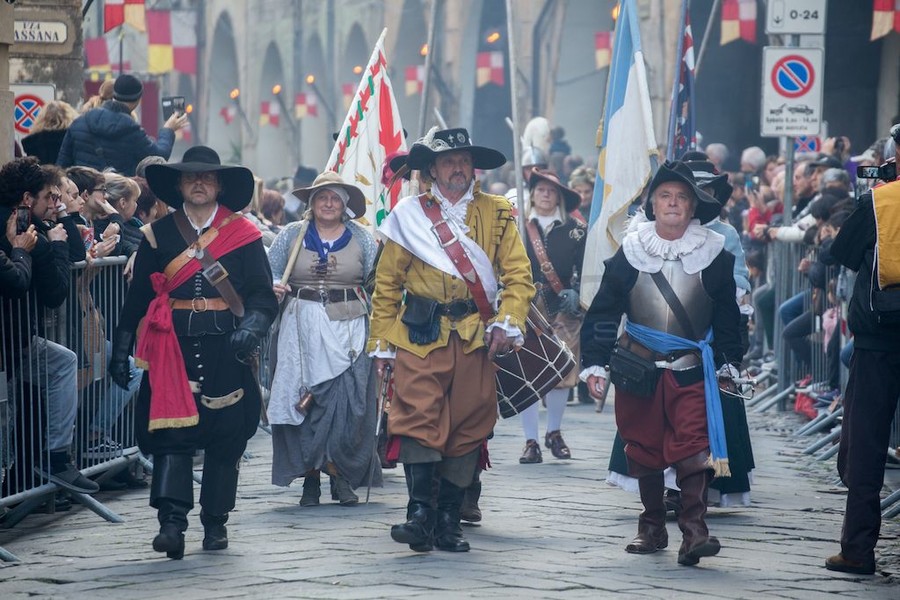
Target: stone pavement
[553,530]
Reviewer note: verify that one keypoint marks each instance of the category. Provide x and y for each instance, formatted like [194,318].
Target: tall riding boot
[447,532]
[652,535]
[217,497]
[469,511]
[418,531]
[693,479]
[172,495]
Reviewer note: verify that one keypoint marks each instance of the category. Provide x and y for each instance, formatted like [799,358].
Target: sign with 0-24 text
[795,17]
[791,91]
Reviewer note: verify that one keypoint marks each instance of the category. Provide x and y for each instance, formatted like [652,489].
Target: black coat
[601,323]
[15,273]
[854,247]
[109,137]
[204,341]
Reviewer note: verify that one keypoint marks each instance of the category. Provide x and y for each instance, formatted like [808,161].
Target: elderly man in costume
[672,278]
[448,250]
[203,285]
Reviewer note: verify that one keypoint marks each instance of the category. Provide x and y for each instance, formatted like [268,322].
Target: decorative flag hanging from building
[172,41]
[602,49]
[228,113]
[415,79]
[96,54]
[118,12]
[885,17]
[269,113]
[738,21]
[489,69]
[305,105]
[369,133]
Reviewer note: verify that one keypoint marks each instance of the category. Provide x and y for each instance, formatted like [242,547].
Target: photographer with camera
[866,244]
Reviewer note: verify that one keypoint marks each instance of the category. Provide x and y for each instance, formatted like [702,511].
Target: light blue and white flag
[628,150]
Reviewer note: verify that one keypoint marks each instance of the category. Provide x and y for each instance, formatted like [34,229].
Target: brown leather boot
[557,445]
[532,453]
[652,534]
[693,479]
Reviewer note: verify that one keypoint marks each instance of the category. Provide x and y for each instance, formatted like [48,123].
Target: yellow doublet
[494,229]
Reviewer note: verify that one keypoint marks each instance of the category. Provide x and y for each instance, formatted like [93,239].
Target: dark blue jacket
[109,137]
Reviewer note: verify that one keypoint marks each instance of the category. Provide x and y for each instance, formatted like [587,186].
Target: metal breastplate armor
[648,307]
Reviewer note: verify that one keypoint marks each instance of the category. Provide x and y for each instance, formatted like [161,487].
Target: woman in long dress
[322,407]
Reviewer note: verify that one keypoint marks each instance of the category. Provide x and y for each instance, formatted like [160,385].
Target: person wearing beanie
[108,137]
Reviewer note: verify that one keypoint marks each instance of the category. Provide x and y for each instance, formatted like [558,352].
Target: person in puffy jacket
[108,137]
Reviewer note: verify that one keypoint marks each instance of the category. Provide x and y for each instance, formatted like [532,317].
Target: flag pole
[514,92]
[712,15]
[121,52]
[429,62]
[679,59]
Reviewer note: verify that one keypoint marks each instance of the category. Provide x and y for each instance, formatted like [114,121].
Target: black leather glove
[246,338]
[119,369]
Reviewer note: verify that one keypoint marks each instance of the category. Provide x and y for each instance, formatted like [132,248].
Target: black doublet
[564,244]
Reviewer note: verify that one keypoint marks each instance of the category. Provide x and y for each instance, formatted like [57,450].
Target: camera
[23,217]
[886,172]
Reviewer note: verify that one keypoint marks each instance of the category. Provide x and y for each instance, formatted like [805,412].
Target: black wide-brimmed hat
[570,198]
[707,207]
[236,183]
[435,142]
[707,176]
[356,203]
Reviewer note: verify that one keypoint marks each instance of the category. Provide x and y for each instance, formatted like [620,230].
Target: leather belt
[540,252]
[457,309]
[326,296]
[198,304]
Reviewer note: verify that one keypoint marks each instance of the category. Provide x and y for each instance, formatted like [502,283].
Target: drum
[526,375]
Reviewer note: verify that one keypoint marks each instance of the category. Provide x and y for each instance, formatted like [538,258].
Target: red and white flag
[489,69]
[415,79]
[118,12]
[602,49]
[305,105]
[885,17]
[228,113]
[269,113]
[96,54]
[370,132]
[738,21]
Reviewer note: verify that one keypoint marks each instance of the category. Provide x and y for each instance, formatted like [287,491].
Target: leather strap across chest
[534,236]
[213,270]
[450,243]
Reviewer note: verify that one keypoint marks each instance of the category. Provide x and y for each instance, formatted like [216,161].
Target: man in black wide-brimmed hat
[203,285]
[436,322]
[672,278]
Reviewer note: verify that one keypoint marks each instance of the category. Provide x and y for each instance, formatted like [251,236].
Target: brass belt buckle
[194,304]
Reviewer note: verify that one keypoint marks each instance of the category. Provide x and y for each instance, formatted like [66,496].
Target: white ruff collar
[696,249]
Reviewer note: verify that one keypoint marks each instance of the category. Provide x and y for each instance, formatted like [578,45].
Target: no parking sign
[28,100]
[791,92]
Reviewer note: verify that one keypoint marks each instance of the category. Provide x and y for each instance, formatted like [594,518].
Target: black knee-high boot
[470,511]
[447,532]
[217,497]
[418,531]
[172,495]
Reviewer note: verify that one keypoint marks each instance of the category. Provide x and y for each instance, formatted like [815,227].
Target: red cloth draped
[172,403]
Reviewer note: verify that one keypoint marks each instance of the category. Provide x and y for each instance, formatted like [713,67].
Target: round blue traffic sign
[793,76]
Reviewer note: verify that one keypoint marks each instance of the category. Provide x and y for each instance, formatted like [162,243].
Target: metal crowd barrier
[103,442]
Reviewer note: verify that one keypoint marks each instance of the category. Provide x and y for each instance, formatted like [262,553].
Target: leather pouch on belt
[633,373]
[422,319]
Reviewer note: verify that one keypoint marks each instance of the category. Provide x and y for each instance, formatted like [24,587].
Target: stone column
[6,96]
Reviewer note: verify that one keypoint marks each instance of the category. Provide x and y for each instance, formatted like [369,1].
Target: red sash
[172,402]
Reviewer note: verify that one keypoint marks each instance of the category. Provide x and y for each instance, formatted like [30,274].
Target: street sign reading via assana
[795,17]
[791,91]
